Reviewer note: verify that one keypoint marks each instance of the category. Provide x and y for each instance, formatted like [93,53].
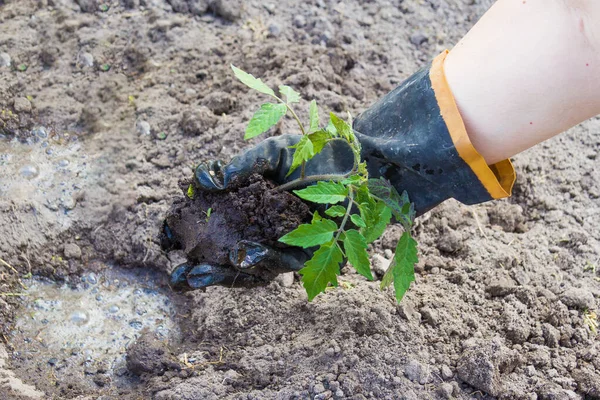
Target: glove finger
[209,176]
[252,257]
[187,276]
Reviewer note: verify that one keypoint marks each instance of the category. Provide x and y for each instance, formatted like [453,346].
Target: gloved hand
[414,137]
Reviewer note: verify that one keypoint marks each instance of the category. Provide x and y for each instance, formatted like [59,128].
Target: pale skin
[527,71]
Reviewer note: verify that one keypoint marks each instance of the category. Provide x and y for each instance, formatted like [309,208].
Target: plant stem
[348,211]
[313,178]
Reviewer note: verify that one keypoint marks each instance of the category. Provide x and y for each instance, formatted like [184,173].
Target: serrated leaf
[304,152]
[252,82]
[316,217]
[309,235]
[384,190]
[358,221]
[322,269]
[319,139]
[342,127]
[355,246]
[402,268]
[324,193]
[336,211]
[314,117]
[377,218]
[352,180]
[264,118]
[290,94]
[331,129]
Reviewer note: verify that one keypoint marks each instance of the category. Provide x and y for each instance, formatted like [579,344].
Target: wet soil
[250,210]
[505,291]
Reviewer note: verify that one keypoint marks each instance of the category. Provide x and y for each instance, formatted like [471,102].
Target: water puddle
[75,338]
[46,169]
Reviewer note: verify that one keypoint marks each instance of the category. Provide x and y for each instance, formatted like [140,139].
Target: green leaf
[316,217]
[384,190]
[322,269]
[336,211]
[331,129]
[355,246]
[190,192]
[264,118]
[309,235]
[304,152]
[402,268]
[319,139]
[342,127]
[252,82]
[352,180]
[358,221]
[290,94]
[377,219]
[314,117]
[324,193]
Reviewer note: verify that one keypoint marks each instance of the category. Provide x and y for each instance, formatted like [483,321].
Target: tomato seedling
[359,208]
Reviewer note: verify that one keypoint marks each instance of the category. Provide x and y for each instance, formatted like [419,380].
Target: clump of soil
[250,210]
[150,355]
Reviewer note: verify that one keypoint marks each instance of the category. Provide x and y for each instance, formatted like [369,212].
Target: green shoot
[359,208]
[190,192]
[207,213]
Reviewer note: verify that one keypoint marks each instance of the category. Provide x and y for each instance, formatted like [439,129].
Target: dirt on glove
[251,210]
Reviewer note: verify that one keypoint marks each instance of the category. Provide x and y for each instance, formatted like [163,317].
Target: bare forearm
[528,70]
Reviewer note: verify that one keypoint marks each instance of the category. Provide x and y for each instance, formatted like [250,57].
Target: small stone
[113,309]
[530,370]
[388,254]
[71,250]
[299,21]
[40,132]
[286,279]
[319,388]
[379,264]
[21,104]
[79,318]
[446,372]
[578,298]
[4,60]
[85,59]
[53,361]
[445,390]
[28,171]
[274,30]
[417,372]
[143,128]
[418,39]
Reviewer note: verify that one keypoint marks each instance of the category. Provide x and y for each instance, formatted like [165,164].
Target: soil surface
[106,105]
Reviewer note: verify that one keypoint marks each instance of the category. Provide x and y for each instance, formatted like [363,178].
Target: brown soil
[498,308]
[250,210]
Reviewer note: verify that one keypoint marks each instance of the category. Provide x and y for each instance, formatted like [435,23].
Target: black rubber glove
[414,136]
